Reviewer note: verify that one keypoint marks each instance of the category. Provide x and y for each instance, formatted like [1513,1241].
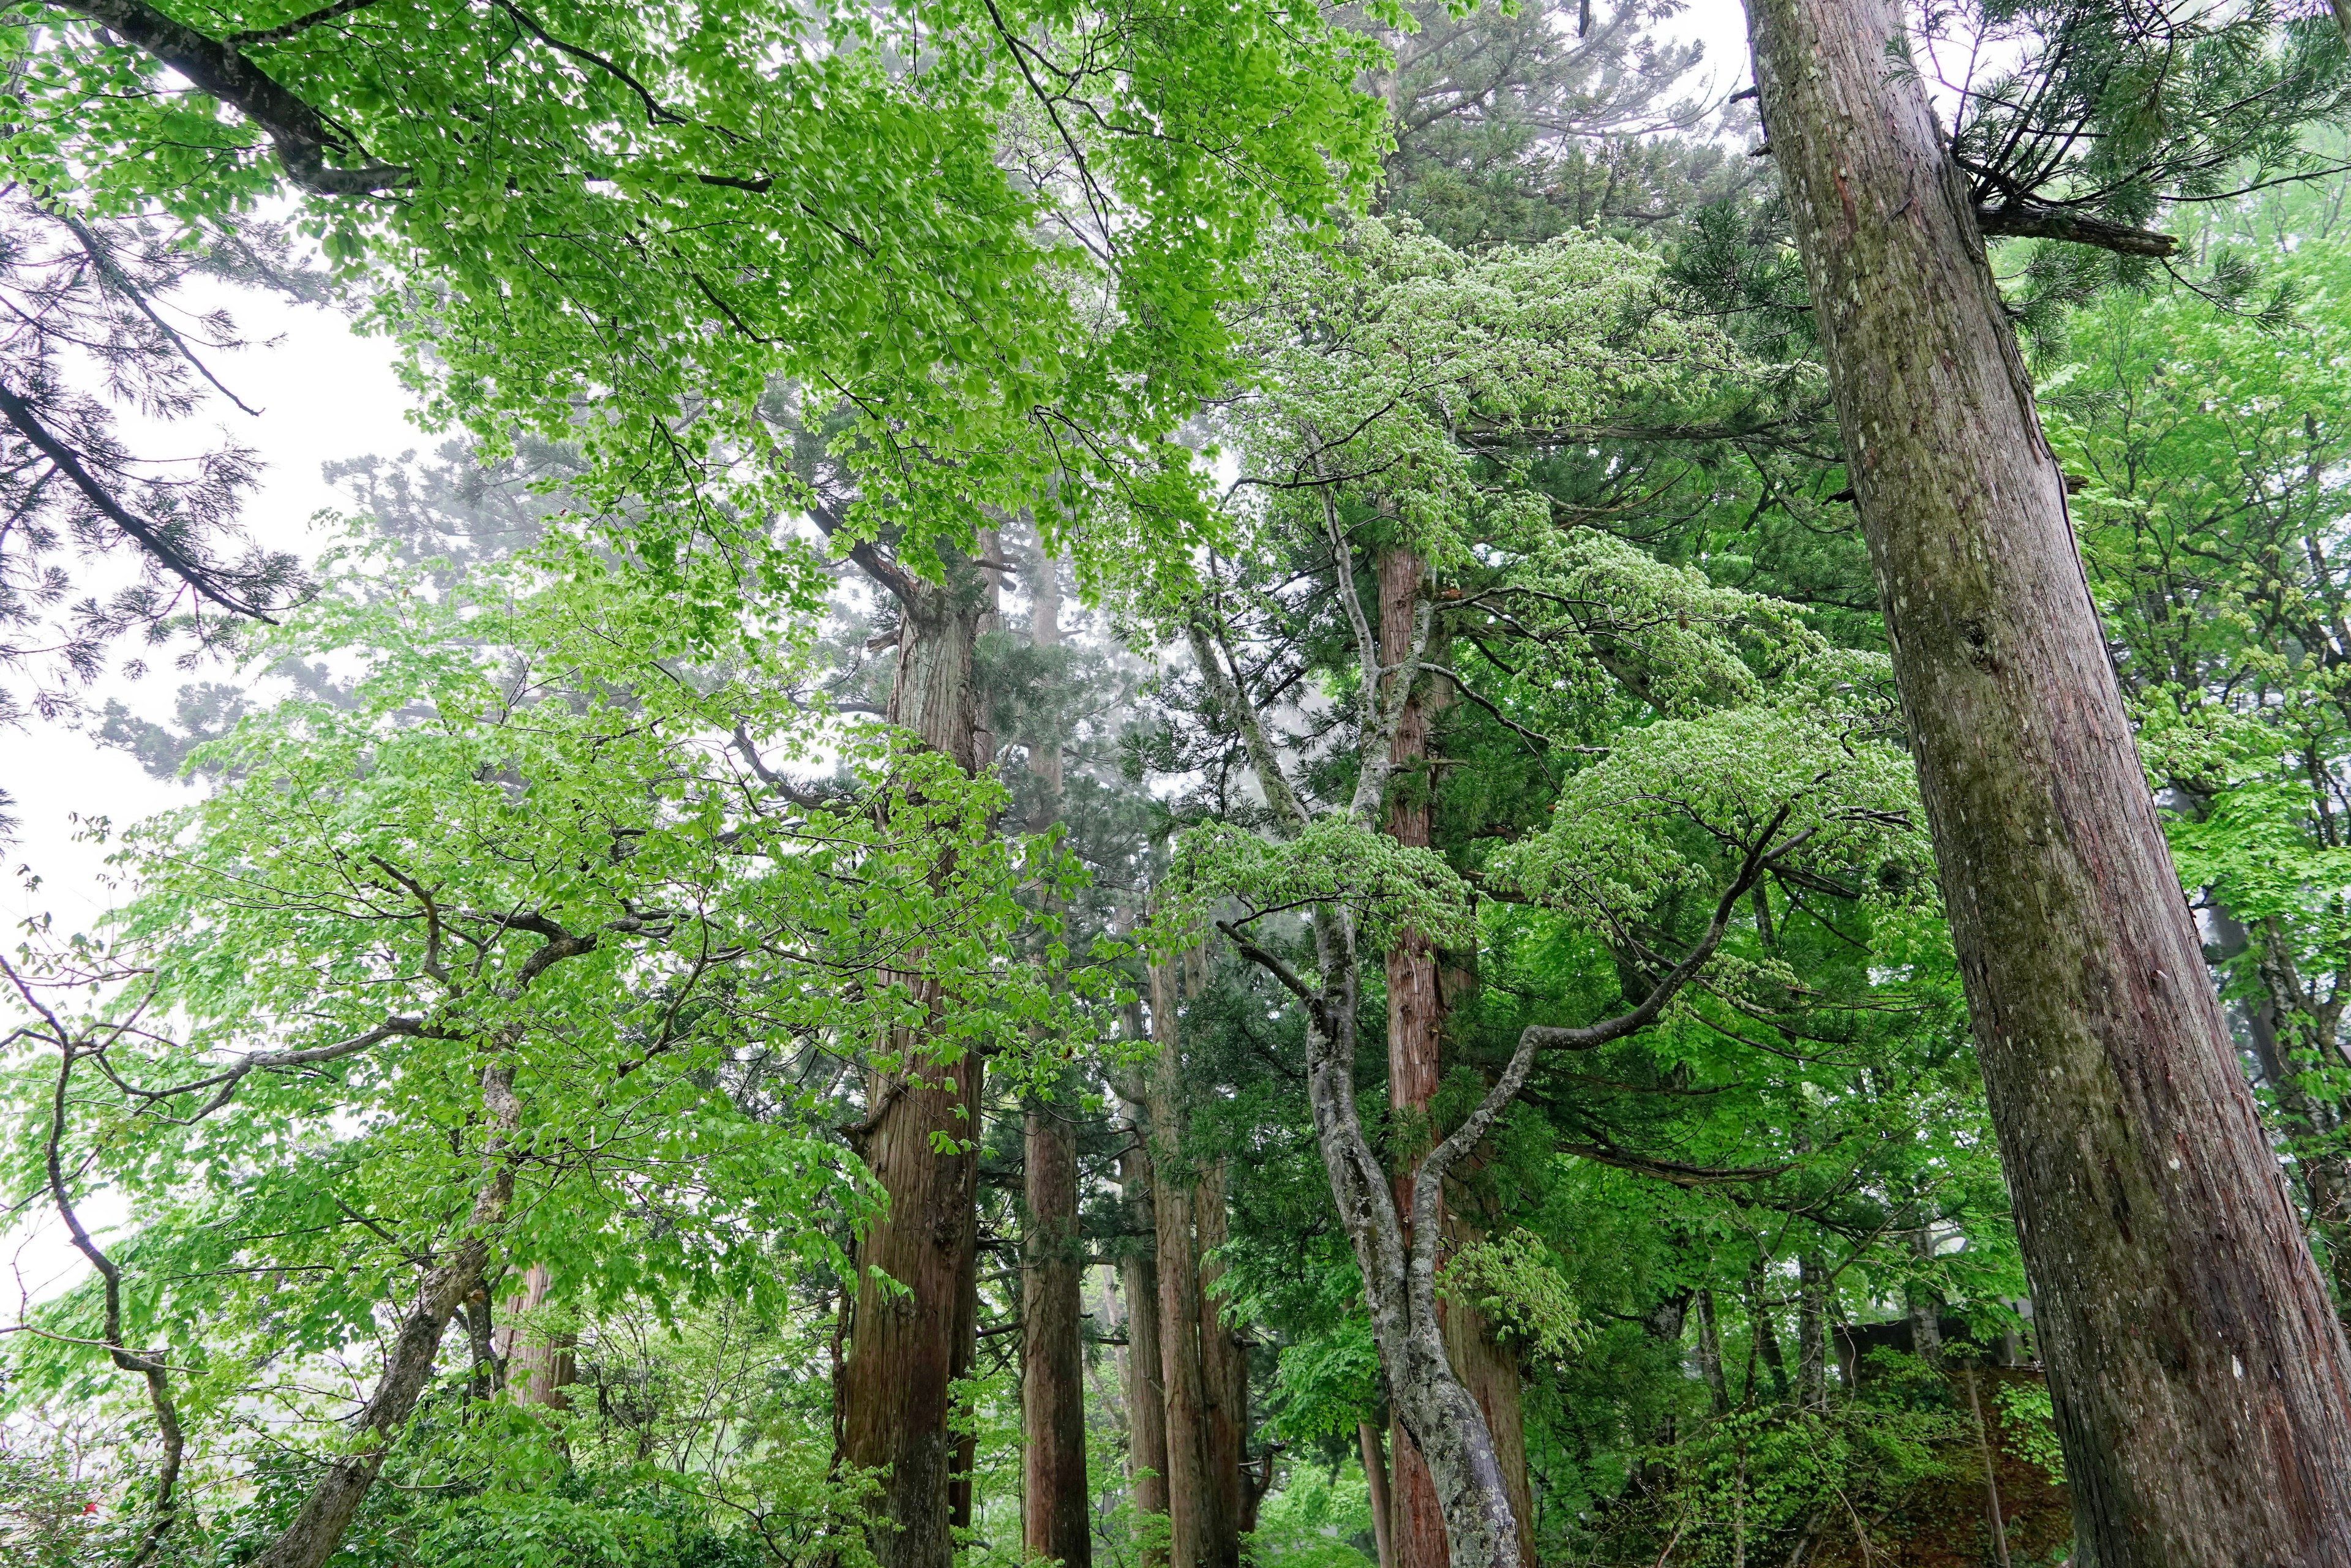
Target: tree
[526,980]
[1375,415]
[2174,1291]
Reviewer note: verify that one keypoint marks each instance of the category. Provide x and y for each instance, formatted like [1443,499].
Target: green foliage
[1512,1283]
[2031,1419]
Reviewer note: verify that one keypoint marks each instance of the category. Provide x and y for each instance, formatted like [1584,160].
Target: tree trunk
[2202,1383]
[1055,1522]
[1811,1332]
[1224,1371]
[318,1525]
[1767,1337]
[908,1341]
[540,1365]
[1138,1275]
[1710,1355]
[1375,1482]
[1924,1304]
[1192,1503]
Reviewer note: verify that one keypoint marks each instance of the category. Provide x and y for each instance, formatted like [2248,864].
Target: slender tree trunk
[1055,1520]
[910,1341]
[1710,1355]
[318,1525]
[2202,1383]
[1138,1274]
[1224,1371]
[1375,1481]
[1767,1337]
[1924,1304]
[1055,1523]
[1811,1332]
[1192,1501]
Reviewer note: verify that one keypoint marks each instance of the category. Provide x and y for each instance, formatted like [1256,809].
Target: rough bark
[1710,1355]
[1224,1372]
[1924,1304]
[1375,1481]
[917,1263]
[540,1363]
[1138,1276]
[1811,1332]
[2202,1383]
[1192,1500]
[1054,1520]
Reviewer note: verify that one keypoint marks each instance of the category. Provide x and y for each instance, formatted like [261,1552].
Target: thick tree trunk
[1224,1371]
[2202,1383]
[909,1339]
[1415,1036]
[1192,1501]
[1710,1355]
[1811,1332]
[1055,1523]
[540,1363]
[1924,1305]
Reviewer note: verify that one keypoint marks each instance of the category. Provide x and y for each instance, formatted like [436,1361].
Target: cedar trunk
[2202,1385]
[909,1340]
[1054,1521]
[1415,1036]
[1054,1518]
[1224,1372]
[1138,1279]
[1192,1500]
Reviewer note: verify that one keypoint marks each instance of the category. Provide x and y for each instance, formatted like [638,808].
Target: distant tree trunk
[1224,1369]
[540,1365]
[1710,1355]
[1192,1500]
[1375,1481]
[1811,1332]
[1767,1338]
[1138,1275]
[907,1346]
[1924,1304]
[2190,1343]
[1056,1522]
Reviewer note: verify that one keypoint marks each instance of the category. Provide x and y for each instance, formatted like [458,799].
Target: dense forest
[1190,783]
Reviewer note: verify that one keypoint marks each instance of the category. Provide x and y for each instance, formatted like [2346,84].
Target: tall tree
[2189,1339]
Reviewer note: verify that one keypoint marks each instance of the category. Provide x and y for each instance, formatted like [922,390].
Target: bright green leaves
[1399,371]
[1334,861]
[1513,1283]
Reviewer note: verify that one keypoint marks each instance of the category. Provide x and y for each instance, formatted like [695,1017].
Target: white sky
[324,394]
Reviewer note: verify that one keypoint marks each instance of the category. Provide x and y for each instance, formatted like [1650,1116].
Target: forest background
[1528,508]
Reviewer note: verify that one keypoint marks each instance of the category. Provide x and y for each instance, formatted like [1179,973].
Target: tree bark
[1055,1524]
[2202,1383]
[917,1264]
[1710,1355]
[1224,1371]
[540,1365]
[1924,1304]
[1138,1275]
[1192,1500]
[1375,1482]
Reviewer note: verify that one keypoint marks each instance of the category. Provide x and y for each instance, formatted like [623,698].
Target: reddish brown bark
[1192,1500]
[1415,1036]
[1224,1370]
[918,1266]
[1138,1277]
[1055,1525]
[540,1363]
[2201,1379]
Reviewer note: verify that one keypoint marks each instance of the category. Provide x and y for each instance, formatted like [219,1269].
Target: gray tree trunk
[2203,1384]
